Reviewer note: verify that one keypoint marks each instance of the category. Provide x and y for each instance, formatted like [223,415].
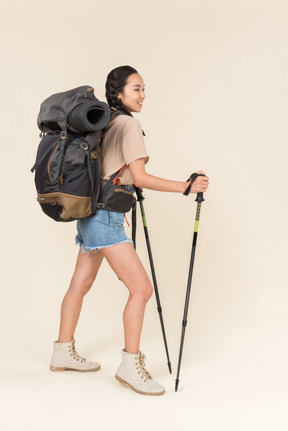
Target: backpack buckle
[94,155]
[60,179]
[84,146]
[100,206]
[63,134]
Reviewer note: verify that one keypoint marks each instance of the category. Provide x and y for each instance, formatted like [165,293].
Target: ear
[119,95]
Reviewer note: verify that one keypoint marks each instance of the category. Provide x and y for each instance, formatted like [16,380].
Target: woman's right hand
[200,185]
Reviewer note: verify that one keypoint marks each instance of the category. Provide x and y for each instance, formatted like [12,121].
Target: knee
[149,293]
[144,293]
[80,285]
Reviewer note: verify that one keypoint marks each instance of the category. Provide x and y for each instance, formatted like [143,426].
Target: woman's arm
[144,180]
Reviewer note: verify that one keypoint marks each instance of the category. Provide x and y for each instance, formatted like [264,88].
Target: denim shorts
[105,229]
[100,231]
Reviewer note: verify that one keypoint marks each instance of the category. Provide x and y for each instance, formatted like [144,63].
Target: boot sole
[137,390]
[52,368]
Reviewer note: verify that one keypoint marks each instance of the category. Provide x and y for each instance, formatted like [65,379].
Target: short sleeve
[133,142]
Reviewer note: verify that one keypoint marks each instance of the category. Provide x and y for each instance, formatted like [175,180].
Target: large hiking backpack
[67,168]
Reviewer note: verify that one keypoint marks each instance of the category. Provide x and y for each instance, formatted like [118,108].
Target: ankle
[65,339]
[131,351]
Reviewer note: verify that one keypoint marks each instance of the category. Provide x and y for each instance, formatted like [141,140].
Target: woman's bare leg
[86,269]
[125,262]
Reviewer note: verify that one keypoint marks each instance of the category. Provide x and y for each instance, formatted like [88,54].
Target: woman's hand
[200,185]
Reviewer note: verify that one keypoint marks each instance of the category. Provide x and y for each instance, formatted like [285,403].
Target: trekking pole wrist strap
[192,178]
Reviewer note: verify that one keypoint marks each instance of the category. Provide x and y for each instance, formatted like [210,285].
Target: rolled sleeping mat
[89,117]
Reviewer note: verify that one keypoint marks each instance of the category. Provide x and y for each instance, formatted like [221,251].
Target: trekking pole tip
[170,368]
[176,385]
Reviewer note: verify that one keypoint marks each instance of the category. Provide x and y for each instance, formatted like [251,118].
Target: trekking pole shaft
[159,308]
[184,321]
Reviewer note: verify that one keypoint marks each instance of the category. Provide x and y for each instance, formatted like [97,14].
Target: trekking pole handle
[139,194]
[192,178]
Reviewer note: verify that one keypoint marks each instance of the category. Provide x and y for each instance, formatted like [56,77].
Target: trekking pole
[140,199]
[199,199]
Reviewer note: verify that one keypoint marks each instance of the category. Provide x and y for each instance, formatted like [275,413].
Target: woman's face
[133,93]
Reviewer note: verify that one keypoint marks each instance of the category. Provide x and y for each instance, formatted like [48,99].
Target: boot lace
[141,367]
[73,352]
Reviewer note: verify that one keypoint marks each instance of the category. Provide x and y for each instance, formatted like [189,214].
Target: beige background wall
[216,79]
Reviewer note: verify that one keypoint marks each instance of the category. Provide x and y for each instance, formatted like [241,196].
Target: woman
[103,236]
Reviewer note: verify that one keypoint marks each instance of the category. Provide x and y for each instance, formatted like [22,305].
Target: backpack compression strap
[134,223]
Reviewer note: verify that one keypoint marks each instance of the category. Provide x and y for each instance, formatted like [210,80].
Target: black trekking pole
[199,199]
[140,199]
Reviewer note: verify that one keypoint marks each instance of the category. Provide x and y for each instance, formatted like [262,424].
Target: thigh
[125,262]
[88,264]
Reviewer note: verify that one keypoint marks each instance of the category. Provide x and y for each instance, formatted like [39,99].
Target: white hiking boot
[65,358]
[132,373]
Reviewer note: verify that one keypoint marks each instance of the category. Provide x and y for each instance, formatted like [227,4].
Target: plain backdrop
[216,81]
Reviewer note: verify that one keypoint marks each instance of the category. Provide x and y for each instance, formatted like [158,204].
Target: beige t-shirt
[122,142]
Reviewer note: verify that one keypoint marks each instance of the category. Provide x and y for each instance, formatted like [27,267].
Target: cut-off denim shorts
[105,229]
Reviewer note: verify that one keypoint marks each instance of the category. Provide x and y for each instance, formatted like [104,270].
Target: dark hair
[115,83]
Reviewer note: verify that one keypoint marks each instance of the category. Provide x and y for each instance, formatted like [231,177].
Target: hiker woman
[103,236]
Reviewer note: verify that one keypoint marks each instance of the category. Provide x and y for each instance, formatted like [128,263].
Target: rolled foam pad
[89,117]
